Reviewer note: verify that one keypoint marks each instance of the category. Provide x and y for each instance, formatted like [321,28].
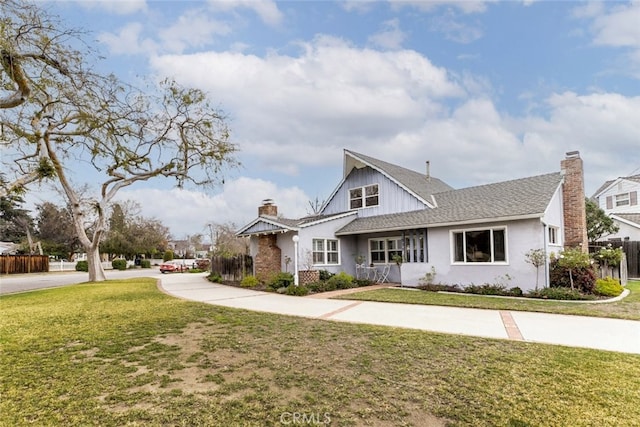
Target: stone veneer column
[268,257]
[573,203]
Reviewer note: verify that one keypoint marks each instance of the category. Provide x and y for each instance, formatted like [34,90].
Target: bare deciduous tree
[62,117]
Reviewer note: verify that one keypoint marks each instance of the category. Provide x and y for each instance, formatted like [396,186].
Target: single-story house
[381,213]
[618,198]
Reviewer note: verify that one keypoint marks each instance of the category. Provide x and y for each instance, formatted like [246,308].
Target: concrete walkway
[576,331]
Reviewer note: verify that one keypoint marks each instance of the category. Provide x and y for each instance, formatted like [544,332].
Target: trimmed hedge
[608,287]
[119,264]
[82,266]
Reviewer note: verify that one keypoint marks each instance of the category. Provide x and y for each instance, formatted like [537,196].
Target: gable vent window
[366,196]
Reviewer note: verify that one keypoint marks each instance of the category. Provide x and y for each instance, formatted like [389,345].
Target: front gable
[619,195]
[265,225]
[379,195]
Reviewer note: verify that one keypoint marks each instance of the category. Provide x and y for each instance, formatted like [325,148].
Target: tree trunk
[96,272]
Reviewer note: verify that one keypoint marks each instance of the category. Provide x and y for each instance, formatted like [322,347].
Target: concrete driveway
[575,331]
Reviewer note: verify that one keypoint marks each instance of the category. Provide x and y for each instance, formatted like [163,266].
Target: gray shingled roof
[520,198]
[416,182]
[287,223]
[631,217]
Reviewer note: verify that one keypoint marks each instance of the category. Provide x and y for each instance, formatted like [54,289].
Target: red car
[172,266]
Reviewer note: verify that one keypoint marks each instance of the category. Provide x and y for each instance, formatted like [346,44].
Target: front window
[325,251]
[363,196]
[479,246]
[553,235]
[622,199]
[382,251]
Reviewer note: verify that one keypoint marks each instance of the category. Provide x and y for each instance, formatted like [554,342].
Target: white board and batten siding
[391,197]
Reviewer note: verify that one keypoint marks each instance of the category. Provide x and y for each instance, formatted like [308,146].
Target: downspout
[545,240]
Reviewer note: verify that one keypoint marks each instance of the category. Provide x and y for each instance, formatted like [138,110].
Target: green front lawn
[123,353]
[627,308]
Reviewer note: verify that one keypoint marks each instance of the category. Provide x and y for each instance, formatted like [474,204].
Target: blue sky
[486,91]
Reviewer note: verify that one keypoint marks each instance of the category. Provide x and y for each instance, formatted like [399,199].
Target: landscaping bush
[325,275]
[579,264]
[362,282]
[119,264]
[341,280]
[608,287]
[280,280]
[296,290]
[559,293]
[168,256]
[321,286]
[486,289]
[515,292]
[437,287]
[145,263]
[82,266]
[215,277]
[249,282]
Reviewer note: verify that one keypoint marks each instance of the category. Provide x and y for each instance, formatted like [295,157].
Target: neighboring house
[618,198]
[473,235]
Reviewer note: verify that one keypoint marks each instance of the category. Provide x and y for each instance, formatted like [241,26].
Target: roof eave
[283,227]
[446,224]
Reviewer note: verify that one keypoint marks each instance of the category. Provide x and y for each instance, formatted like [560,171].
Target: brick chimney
[268,208]
[575,218]
[268,258]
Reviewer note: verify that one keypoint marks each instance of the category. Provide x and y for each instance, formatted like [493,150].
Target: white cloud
[465,6]
[192,29]
[267,10]
[128,41]
[619,27]
[390,37]
[188,212]
[616,27]
[330,96]
[118,7]
[453,29]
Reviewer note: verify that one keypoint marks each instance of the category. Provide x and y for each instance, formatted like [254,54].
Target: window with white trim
[553,235]
[415,246]
[325,251]
[622,199]
[479,246]
[382,251]
[366,196]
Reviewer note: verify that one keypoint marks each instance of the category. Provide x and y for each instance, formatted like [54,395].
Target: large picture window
[382,251]
[479,246]
[325,251]
[363,196]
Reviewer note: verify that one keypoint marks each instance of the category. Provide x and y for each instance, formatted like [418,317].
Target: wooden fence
[17,264]
[232,268]
[630,249]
